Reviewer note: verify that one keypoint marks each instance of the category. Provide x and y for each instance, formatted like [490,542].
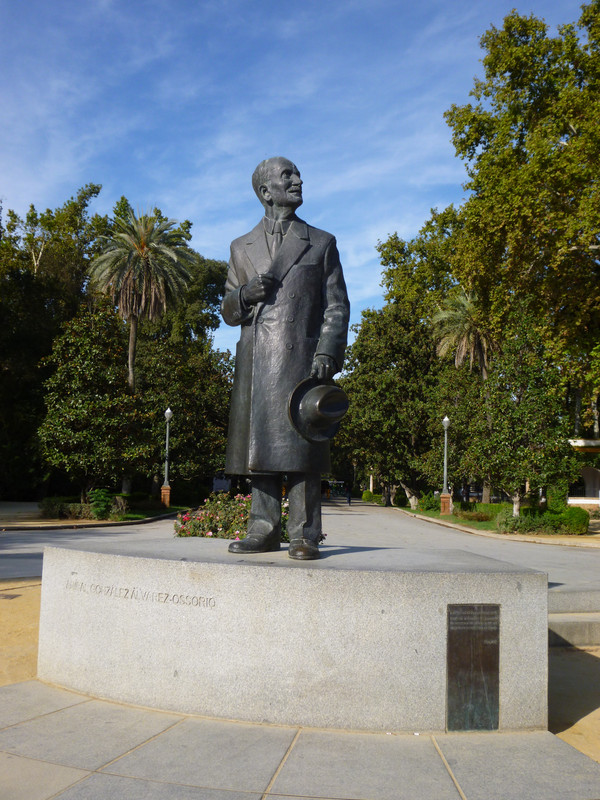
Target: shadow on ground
[571,670]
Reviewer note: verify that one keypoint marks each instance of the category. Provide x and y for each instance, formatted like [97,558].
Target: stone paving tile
[212,754]
[23,701]
[112,787]
[354,766]
[519,766]
[26,779]
[86,736]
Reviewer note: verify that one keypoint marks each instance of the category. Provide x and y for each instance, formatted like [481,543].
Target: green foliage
[195,382]
[522,434]
[367,496]
[460,326]
[143,268]
[530,142]
[222,517]
[429,502]
[90,414]
[570,522]
[65,508]
[101,502]
[473,516]
[391,368]
[43,265]
[556,496]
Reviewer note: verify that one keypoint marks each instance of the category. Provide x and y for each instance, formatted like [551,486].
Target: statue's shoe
[256,544]
[303,550]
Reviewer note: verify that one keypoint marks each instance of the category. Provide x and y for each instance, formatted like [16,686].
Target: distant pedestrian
[348,494]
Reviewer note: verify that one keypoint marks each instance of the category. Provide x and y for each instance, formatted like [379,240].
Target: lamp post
[165,491]
[445,496]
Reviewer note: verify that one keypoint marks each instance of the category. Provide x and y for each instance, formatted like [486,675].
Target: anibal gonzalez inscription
[137,593]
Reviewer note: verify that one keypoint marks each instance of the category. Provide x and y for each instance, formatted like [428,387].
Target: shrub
[556,497]
[429,502]
[222,517]
[64,508]
[100,503]
[570,522]
[367,496]
[576,521]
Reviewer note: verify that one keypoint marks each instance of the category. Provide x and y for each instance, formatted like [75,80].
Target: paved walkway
[59,744]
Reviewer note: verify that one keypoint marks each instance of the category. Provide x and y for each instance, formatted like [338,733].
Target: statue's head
[277,183]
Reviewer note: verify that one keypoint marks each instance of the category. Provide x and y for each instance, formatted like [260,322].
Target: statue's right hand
[258,289]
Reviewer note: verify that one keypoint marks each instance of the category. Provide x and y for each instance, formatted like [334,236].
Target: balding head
[273,171]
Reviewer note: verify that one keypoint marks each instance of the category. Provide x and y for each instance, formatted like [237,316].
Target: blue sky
[172,103]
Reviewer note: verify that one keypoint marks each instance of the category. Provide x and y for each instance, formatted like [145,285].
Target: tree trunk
[413,498]
[516,501]
[486,493]
[596,417]
[126,484]
[133,326]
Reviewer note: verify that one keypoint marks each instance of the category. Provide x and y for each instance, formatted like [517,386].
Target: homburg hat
[316,409]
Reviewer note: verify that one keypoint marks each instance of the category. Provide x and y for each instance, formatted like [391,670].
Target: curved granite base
[354,640]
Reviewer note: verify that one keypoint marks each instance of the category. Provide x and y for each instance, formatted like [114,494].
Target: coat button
[290,318]
[290,346]
[292,294]
[260,320]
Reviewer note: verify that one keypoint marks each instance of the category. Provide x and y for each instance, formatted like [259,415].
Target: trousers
[304,495]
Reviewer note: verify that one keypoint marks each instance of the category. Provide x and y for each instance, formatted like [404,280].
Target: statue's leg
[264,525]
[304,521]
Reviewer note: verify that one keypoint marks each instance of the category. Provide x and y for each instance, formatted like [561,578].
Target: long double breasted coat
[306,314]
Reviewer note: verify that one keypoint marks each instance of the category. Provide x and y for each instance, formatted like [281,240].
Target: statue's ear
[265,194]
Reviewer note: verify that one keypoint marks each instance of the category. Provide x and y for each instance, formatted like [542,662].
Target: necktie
[277,238]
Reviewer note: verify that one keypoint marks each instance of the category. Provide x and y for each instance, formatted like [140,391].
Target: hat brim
[334,403]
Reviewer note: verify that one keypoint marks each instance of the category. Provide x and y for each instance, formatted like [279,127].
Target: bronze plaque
[473,695]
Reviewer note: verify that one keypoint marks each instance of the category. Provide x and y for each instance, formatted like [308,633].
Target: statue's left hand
[323,368]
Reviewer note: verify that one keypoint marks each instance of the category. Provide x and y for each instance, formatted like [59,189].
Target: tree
[459,325]
[391,368]
[143,269]
[195,382]
[531,225]
[527,442]
[43,266]
[90,413]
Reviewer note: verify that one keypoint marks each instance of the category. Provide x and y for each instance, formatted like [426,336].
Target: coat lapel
[257,250]
[295,244]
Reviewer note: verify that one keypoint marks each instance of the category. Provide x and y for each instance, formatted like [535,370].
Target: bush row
[572,521]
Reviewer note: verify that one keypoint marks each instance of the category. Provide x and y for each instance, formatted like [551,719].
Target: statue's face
[283,187]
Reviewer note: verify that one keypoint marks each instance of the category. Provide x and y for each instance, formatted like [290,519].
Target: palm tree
[143,270]
[459,326]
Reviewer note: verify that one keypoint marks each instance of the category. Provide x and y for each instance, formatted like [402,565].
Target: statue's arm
[233,308]
[336,315]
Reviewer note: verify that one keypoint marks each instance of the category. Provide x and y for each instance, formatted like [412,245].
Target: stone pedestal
[356,640]
[445,505]
[165,496]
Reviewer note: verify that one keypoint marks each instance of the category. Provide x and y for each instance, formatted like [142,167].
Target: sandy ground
[574,674]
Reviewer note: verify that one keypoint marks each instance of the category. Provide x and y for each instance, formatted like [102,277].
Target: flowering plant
[222,517]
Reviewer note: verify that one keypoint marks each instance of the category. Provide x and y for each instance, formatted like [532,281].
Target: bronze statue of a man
[286,290]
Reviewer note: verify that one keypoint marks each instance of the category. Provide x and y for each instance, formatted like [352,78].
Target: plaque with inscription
[473,659]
